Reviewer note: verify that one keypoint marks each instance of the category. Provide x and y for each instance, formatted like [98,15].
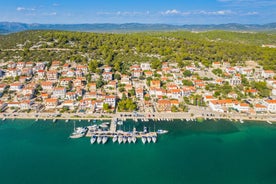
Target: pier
[113,125]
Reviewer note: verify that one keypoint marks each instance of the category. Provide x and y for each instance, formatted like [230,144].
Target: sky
[139,11]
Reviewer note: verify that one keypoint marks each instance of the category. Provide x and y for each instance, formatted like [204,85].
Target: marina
[103,132]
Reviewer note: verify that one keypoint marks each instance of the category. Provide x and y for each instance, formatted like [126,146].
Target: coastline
[269,118]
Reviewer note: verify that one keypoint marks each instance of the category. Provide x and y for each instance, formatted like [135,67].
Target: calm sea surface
[192,152]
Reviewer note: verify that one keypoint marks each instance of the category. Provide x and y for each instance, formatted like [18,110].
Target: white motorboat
[99,139]
[120,122]
[144,139]
[93,139]
[115,138]
[154,139]
[149,139]
[104,139]
[145,129]
[120,139]
[160,131]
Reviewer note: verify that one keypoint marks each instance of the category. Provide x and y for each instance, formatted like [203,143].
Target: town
[63,87]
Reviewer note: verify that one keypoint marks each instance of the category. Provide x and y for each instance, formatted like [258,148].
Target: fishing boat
[120,139]
[160,131]
[99,139]
[104,139]
[144,139]
[149,138]
[154,138]
[93,139]
[115,138]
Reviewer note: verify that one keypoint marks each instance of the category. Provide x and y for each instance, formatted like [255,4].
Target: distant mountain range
[11,27]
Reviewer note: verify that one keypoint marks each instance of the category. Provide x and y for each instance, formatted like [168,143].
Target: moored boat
[79,132]
[154,139]
[129,139]
[160,131]
[133,139]
[120,139]
[124,139]
[144,139]
[115,138]
[93,139]
[99,139]
[104,139]
[149,139]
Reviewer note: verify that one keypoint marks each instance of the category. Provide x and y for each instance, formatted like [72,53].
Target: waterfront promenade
[193,114]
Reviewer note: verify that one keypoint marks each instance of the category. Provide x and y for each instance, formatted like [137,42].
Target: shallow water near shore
[192,152]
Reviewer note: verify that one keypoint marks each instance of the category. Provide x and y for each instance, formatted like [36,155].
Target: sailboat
[78,132]
[93,139]
[120,139]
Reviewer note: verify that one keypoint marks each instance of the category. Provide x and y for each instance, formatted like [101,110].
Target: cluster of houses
[233,75]
[60,86]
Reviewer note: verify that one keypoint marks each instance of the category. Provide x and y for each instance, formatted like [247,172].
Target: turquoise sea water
[207,152]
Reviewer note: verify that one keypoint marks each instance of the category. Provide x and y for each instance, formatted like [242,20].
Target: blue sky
[140,11]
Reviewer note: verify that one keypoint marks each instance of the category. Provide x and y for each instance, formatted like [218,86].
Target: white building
[145,66]
[235,80]
[271,105]
[268,74]
[59,92]
[241,107]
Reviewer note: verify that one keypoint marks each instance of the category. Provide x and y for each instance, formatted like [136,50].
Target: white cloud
[55,4]
[20,8]
[202,12]
[175,12]
[124,13]
[219,12]
[170,12]
[50,14]
[252,13]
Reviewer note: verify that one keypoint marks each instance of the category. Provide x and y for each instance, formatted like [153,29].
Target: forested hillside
[122,49]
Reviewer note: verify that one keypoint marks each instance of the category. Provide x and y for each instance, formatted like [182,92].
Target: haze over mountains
[11,27]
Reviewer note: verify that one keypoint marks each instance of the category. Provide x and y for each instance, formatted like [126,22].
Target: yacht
[124,139]
[144,139]
[93,139]
[104,139]
[154,138]
[115,138]
[133,139]
[120,139]
[78,132]
[129,139]
[160,131]
[99,139]
[149,138]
